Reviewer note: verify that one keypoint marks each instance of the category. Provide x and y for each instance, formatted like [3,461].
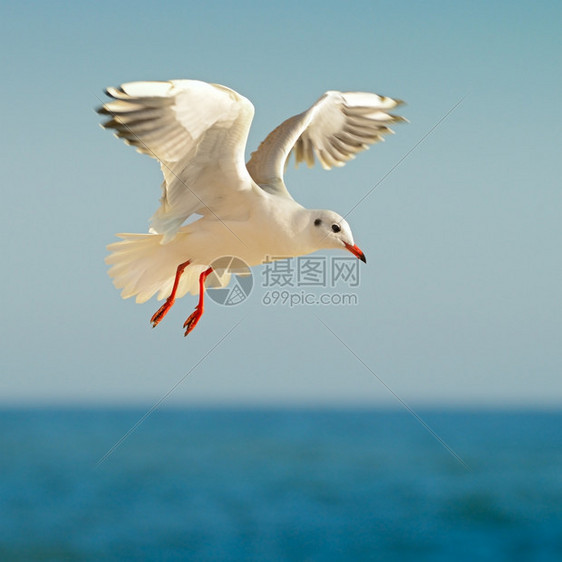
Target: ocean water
[275,485]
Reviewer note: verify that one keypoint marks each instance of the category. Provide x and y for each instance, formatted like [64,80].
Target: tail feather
[142,266]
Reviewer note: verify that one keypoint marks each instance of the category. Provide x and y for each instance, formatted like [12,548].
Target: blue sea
[282,484]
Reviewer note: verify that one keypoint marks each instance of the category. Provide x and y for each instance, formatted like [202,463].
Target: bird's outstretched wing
[335,128]
[198,132]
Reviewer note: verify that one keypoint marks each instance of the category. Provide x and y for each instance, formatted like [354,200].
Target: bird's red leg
[163,310]
[191,322]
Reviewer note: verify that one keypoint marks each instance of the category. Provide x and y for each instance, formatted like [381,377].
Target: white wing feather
[198,132]
[335,128]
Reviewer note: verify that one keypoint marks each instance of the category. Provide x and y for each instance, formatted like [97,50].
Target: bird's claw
[191,322]
[161,312]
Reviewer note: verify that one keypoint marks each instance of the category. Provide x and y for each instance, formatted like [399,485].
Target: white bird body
[198,132]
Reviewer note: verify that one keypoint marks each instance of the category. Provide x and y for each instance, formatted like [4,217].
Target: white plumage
[198,132]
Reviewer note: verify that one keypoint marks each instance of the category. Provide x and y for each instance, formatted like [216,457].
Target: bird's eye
[317,222]
[336,228]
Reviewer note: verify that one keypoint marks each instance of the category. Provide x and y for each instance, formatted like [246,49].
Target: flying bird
[198,132]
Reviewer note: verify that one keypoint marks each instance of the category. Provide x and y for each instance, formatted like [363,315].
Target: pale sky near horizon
[460,303]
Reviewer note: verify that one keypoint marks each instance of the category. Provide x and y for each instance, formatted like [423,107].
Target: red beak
[356,252]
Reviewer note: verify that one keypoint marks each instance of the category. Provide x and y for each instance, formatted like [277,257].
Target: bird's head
[331,231]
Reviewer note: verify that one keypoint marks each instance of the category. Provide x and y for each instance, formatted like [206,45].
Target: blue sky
[460,302]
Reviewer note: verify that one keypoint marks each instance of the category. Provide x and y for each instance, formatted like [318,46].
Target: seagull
[214,204]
